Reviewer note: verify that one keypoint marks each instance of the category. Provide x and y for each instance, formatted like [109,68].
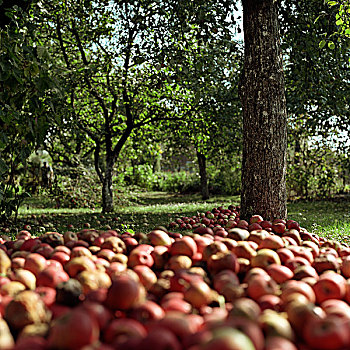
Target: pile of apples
[239,285]
[217,217]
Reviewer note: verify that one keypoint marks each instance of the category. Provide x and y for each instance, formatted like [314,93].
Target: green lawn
[142,211]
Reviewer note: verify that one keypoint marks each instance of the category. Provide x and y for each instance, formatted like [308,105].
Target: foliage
[317,80]
[126,65]
[342,20]
[25,82]
[316,169]
[76,187]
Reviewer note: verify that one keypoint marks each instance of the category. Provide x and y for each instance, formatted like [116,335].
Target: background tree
[128,60]
[25,84]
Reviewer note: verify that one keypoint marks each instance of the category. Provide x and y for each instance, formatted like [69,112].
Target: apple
[181,279]
[294,234]
[295,262]
[326,262]
[272,242]
[244,250]
[6,338]
[24,276]
[264,258]
[304,271]
[328,333]
[115,244]
[44,249]
[261,285]
[124,293]
[270,301]
[184,246]
[315,250]
[160,256]
[273,323]
[51,277]
[292,224]
[30,244]
[79,264]
[265,224]
[222,261]
[159,237]
[202,230]
[278,228]
[284,254]
[79,329]
[225,277]
[92,280]
[47,295]
[300,311]
[239,233]
[256,219]
[292,286]
[147,277]
[278,343]
[119,330]
[227,338]
[80,251]
[198,294]
[201,242]
[140,257]
[213,248]
[336,307]
[182,326]
[25,308]
[345,266]
[251,328]
[61,257]
[303,252]
[176,304]
[279,273]
[17,263]
[70,236]
[330,285]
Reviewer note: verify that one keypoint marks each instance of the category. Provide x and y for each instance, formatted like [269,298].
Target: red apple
[327,333]
[78,327]
[330,285]
[184,246]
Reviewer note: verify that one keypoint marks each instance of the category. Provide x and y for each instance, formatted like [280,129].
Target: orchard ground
[142,211]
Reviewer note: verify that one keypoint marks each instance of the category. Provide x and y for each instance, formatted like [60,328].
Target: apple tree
[122,63]
[316,90]
[262,93]
[25,84]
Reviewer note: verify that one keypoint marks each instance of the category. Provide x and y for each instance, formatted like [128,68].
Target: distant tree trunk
[107,193]
[203,175]
[264,113]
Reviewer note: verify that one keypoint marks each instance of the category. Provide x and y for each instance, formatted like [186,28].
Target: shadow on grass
[143,211]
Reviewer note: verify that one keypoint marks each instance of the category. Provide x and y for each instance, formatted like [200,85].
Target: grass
[142,211]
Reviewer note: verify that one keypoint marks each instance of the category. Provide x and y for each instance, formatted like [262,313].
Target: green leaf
[322,44]
[339,22]
[331,45]
[332,3]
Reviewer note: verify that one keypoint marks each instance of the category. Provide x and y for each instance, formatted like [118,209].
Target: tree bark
[107,193]
[203,175]
[262,94]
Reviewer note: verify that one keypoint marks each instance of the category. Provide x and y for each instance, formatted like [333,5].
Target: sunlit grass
[145,210]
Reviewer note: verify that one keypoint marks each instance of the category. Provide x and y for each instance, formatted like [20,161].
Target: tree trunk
[107,193]
[264,113]
[203,175]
